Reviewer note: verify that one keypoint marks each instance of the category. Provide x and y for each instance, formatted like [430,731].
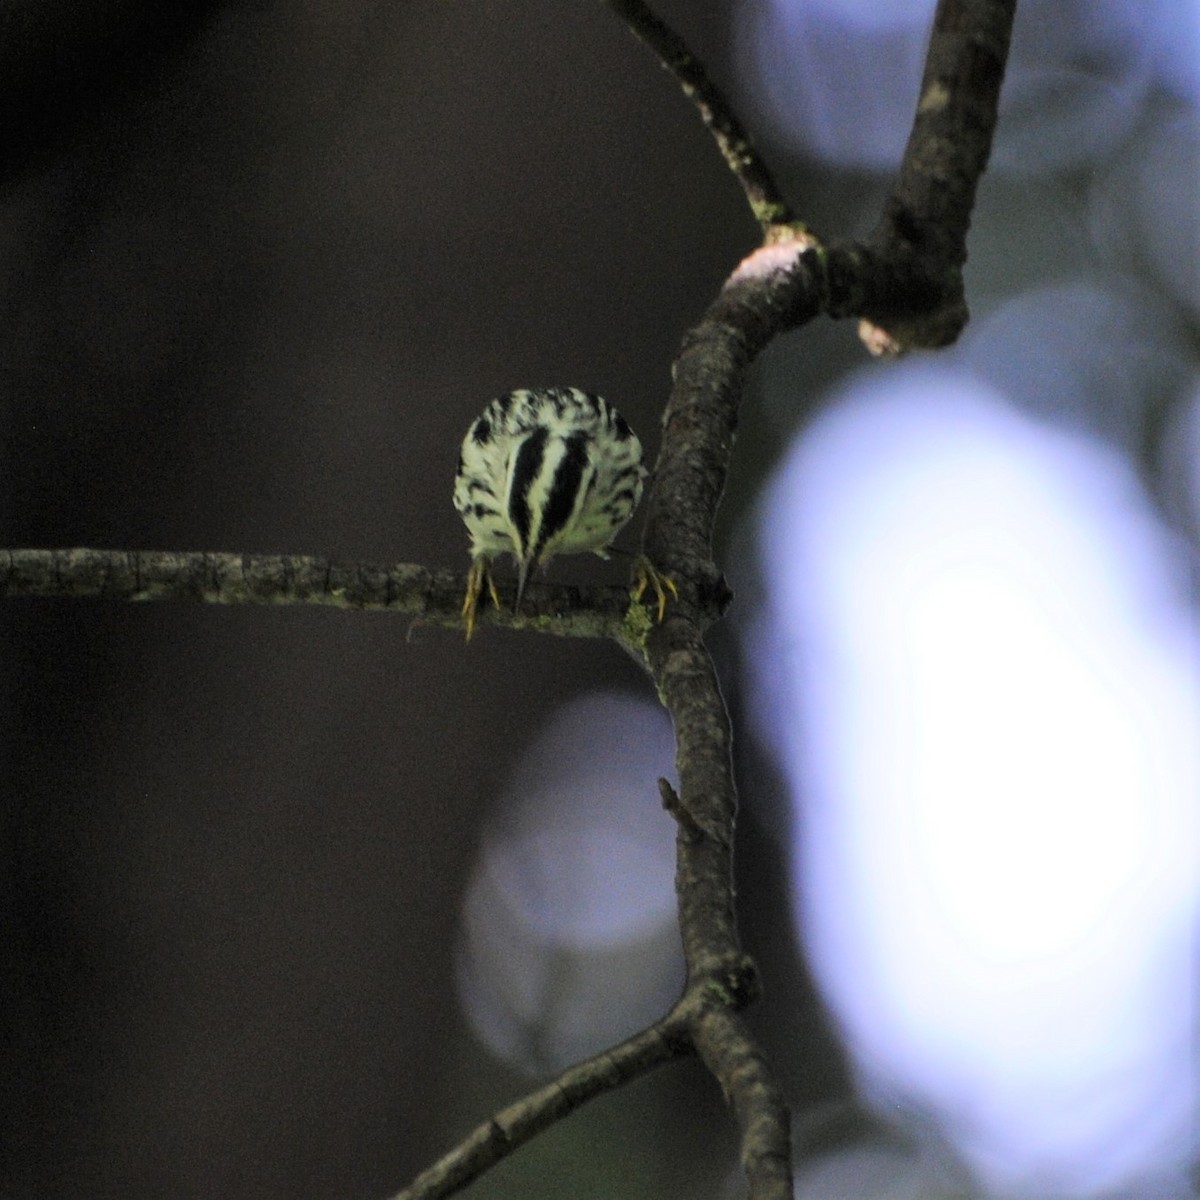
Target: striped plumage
[542,472]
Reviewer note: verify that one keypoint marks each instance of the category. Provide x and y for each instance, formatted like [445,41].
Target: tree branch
[701,417]
[905,279]
[764,1122]
[515,1125]
[432,597]
[922,235]
[766,201]
[929,210]
[909,275]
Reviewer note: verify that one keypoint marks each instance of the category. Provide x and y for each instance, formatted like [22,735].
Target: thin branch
[766,201]
[432,597]
[515,1125]
[721,979]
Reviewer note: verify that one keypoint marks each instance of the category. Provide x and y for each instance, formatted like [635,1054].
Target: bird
[545,471]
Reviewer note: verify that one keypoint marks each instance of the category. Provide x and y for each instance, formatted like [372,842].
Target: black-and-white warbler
[544,471]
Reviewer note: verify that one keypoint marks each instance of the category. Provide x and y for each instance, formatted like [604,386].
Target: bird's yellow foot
[479,574]
[646,575]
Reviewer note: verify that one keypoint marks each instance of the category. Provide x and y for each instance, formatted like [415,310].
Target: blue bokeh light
[1143,211]
[569,940]
[839,78]
[981,633]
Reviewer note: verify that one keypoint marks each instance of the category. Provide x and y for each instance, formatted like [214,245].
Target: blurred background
[289,900]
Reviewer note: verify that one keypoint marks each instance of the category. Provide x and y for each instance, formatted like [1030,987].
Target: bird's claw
[479,574]
[646,575]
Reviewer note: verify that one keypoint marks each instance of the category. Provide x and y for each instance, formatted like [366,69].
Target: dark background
[262,264]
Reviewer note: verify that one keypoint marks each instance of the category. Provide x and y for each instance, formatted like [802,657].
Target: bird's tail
[523,569]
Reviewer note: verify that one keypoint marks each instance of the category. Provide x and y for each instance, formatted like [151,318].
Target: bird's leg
[480,573]
[646,575]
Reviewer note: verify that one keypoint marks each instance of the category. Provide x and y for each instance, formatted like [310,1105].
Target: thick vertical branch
[690,475]
[771,292]
[922,234]
[759,1107]
[929,209]
[914,267]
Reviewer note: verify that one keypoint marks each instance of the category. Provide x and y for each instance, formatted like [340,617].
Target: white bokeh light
[1093,351]
[569,935]
[974,622]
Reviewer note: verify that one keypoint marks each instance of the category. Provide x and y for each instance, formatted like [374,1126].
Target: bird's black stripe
[564,490]
[621,496]
[528,466]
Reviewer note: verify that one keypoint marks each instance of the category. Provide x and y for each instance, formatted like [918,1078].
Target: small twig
[766,201]
[683,819]
[515,1125]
